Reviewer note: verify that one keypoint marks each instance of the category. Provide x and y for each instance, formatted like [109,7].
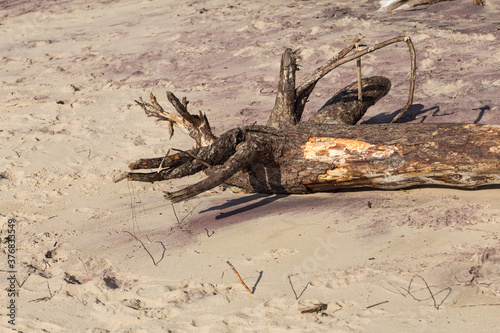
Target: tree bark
[327,152]
[314,157]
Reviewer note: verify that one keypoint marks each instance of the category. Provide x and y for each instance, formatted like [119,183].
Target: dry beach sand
[70,71]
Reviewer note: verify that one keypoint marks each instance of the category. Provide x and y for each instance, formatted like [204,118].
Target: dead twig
[358,66]
[436,305]
[376,304]
[133,194]
[209,234]
[175,214]
[304,90]
[185,216]
[291,285]
[86,272]
[429,289]
[194,156]
[197,125]
[239,277]
[408,292]
[144,246]
[474,305]
[20,285]
[399,291]
[293,289]
[163,160]
[50,291]
[338,62]
[46,298]
[412,79]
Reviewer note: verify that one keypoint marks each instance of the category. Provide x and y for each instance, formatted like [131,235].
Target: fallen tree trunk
[326,152]
[312,157]
[315,158]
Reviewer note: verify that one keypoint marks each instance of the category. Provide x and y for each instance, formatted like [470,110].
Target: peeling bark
[327,152]
[316,158]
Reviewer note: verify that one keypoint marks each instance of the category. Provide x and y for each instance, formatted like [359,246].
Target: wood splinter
[329,151]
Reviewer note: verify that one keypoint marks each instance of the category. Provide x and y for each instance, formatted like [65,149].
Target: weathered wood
[197,125]
[327,152]
[345,108]
[183,164]
[315,157]
[242,158]
[305,89]
[283,112]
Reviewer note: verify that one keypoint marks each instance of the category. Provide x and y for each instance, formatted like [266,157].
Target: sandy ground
[70,71]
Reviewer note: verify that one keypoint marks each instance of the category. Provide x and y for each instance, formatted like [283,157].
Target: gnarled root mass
[326,152]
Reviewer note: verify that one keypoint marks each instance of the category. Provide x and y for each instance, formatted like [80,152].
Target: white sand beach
[69,74]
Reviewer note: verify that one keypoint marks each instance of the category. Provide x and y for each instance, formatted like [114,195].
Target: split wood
[326,152]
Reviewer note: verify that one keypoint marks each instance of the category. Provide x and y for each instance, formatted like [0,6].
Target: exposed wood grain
[328,152]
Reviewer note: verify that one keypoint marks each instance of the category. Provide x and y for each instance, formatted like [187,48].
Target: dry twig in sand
[239,277]
[144,246]
[408,292]
[376,304]
[293,289]
[46,298]
[86,272]
[426,285]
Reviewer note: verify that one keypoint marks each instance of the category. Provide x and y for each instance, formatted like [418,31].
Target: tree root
[326,152]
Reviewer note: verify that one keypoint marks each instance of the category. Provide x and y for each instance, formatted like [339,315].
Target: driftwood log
[328,151]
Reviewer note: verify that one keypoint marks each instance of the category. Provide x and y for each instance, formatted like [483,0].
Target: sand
[70,73]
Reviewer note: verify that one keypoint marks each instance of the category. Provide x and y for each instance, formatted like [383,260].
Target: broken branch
[283,112]
[303,91]
[197,125]
[306,88]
